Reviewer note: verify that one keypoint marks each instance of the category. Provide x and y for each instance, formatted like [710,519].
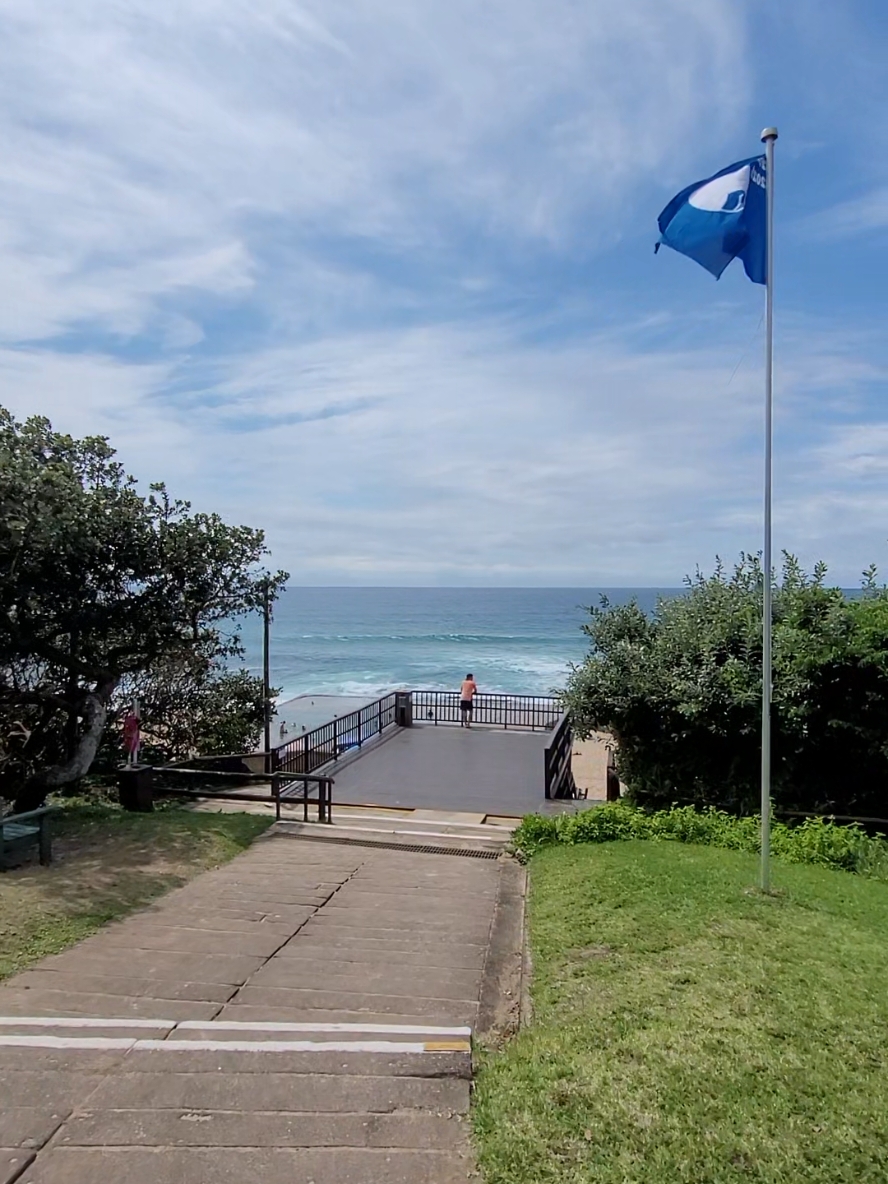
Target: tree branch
[94,709]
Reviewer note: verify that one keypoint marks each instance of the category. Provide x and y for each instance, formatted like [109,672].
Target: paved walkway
[301,1015]
[482,770]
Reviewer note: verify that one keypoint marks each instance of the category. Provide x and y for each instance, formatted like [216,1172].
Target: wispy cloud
[367,274]
[143,151]
[461,454]
[847,219]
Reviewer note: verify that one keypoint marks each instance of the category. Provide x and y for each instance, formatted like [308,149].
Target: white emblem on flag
[725,194]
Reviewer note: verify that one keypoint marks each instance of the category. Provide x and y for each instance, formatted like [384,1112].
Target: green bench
[20,831]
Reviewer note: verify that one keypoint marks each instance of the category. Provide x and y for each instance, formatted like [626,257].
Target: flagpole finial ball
[770,133]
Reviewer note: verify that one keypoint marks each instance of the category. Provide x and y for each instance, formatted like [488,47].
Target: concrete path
[302,1014]
[483,770]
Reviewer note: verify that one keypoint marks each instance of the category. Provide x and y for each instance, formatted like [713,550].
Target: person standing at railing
[467,693]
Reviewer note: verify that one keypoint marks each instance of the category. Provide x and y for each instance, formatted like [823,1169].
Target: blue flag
[720,219]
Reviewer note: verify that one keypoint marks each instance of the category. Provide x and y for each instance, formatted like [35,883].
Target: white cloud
[194,203]
[142,143]
[847,219]
[462,455]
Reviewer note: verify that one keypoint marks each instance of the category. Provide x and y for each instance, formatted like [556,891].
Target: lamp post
[266,679]
[769,135]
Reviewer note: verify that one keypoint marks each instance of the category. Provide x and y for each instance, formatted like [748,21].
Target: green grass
[106,863]
[816,840]
[689,1030]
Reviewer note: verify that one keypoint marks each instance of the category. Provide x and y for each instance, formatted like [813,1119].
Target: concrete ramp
[476,770]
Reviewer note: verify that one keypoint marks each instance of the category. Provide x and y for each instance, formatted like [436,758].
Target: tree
[98,583]
[190,705]
[681,692]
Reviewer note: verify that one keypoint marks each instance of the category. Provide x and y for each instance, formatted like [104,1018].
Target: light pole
[266,679]
[769,135]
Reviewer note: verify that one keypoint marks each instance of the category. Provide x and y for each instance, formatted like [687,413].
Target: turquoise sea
[366,641]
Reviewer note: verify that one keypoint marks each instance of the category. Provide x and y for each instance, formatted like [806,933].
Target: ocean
[367,641]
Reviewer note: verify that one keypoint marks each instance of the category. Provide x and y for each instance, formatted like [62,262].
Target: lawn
[107,863]
[688,1029]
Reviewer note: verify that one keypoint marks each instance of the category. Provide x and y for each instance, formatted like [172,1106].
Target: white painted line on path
[283,1046]
[64,1021]
[76,1021]
[81,1042]
[375,1029]
[110,1043]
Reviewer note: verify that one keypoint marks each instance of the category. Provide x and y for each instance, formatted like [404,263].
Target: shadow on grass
[107,863]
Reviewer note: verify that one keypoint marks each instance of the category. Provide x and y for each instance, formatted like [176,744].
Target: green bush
[813,841]
[680,691]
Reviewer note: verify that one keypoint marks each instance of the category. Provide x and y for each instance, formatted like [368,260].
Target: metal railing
[302,787]
[559,781]
[506,711]
[311,750]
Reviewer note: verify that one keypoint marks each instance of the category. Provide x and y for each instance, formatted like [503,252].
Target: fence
[559,782]
[302,787]
[311,750]
[506,711]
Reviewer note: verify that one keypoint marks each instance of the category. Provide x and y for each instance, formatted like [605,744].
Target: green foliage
[680,691]
[227,713]
[189,706]
[816,840]
[99,584]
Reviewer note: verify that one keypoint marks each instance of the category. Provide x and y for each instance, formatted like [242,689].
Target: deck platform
[480,770]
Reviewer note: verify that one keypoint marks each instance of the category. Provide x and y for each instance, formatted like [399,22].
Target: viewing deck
[406,751]
[479,770]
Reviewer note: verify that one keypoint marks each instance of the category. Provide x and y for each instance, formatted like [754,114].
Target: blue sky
[379,277]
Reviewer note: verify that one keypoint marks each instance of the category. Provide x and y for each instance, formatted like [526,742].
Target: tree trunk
[94,712]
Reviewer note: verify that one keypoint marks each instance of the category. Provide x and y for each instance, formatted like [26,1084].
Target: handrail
[500,710]
[16,818]
[320,746]
[324,797]
[559,782]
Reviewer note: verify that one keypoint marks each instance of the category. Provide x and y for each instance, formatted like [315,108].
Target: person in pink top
[132,736]
[466,694]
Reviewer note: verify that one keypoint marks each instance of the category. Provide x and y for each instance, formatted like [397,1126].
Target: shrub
[680,691]
[818,841]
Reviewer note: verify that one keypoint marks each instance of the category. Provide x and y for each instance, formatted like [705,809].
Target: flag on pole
[731,216]
[722,218]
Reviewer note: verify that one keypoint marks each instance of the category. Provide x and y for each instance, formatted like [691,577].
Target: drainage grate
[417,848]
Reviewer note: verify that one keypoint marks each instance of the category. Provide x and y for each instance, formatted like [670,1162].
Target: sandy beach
[589,765]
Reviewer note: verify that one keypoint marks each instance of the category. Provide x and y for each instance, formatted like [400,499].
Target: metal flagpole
[266,679]
[769,135]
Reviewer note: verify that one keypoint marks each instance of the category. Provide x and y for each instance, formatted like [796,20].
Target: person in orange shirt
[466,694]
